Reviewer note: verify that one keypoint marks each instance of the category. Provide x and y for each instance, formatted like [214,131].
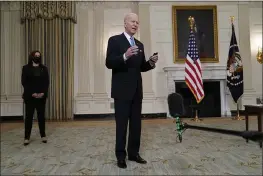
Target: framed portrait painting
[205,31]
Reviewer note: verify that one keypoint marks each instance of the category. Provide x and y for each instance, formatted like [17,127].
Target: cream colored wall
[96,23]
[12,53]
[255,15]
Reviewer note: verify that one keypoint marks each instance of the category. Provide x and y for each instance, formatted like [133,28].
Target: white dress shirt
[129,39]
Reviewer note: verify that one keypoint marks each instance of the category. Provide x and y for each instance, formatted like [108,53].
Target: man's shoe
[122,164]
[44,139]
[137,159]
[26,142]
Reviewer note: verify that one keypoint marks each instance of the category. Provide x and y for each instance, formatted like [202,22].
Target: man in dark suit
[125,56]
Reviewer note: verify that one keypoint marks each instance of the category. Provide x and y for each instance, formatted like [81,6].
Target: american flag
[193,70]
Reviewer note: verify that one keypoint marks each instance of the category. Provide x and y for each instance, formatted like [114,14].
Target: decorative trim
[110,116]
[83,96]
[48,10]
[10,6]
[11,118]
[243,3]
[149,96]
[106,5]
[115,5]
[11,99]
[209,72]
[255,4]
[249,93]
[206,67]
[101,96]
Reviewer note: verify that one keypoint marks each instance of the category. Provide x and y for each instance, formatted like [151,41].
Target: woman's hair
[32,55]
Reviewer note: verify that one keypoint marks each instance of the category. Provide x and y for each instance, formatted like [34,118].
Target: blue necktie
[132,41]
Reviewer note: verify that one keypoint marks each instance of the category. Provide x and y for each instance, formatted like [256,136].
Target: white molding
[149,96]
[83,96]
[244,3]
[103,106]
[187,2]
[106,5]
[101,96]
[11,108]
[11,105]
[255,4]
[208,72]
[249,97]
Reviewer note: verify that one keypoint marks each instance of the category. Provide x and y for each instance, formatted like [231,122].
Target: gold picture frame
[206,19]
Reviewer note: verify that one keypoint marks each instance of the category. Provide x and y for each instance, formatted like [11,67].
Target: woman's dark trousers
[30,106]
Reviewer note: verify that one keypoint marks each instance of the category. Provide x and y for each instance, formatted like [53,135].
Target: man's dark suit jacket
[126,75]
[33,84]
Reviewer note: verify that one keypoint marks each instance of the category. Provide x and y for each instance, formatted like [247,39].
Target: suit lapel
[136,42]
[126,43]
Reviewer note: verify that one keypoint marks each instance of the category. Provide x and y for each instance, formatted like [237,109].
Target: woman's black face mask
[36,59]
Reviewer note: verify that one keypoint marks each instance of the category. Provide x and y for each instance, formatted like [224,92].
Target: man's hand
[34,95]
[153,59]
[131,51]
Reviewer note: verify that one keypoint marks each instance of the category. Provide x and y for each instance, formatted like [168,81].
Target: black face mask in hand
[36,60]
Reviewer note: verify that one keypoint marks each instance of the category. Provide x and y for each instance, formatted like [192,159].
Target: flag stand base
[237,117]
[196,119]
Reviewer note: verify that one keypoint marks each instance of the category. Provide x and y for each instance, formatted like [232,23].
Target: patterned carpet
[89,150]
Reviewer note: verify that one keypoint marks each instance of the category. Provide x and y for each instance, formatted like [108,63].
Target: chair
[176,105]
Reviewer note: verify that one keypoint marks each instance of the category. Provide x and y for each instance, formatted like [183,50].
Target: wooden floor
[87,148]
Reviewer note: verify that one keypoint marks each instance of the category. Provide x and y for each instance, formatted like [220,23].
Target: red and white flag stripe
[193,77]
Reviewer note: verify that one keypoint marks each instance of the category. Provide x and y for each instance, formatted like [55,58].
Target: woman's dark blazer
[32,85]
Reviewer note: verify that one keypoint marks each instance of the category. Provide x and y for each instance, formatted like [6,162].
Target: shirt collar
[127,36]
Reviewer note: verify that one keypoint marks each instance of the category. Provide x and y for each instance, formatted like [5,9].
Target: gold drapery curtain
[49,28]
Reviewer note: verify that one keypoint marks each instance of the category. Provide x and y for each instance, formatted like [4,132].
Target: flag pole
[196,119]
[192,25]
[237,117]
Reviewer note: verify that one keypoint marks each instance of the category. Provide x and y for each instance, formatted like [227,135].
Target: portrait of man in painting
[205,31]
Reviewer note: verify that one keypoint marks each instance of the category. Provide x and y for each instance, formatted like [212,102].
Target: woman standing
[35,81]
